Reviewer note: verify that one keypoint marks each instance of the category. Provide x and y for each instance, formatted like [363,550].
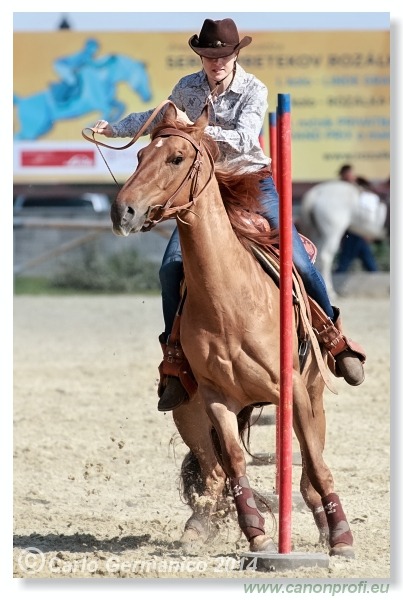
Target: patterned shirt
[236,116]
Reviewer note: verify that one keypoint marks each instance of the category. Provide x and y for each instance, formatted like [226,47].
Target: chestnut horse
[229,328]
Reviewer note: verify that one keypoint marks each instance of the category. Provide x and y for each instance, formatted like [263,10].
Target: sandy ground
[96,466]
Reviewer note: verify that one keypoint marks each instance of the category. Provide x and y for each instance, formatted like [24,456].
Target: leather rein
[166,209]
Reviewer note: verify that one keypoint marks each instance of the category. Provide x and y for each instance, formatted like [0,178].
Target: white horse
[329,209]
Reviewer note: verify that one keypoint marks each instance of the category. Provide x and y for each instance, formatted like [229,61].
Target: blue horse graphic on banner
[87,84]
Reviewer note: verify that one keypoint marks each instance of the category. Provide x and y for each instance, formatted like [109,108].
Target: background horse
[229,329]
[95,91]
[329,209]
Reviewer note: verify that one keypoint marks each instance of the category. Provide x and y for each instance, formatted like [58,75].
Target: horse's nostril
[129,214]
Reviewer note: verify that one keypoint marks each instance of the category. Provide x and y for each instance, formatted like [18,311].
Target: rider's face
[218,68]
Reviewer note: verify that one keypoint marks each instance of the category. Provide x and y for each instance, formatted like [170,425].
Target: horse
[229,332]
[331,208]
[95,90]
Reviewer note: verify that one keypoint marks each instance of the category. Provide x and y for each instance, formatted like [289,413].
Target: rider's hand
[103,128]
[182,117]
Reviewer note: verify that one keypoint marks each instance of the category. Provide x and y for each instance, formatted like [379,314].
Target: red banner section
[57,158]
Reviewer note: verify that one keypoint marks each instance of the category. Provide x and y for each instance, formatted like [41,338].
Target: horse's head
[171,171]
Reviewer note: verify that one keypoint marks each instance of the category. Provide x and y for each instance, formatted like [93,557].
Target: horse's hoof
[262,543]
[343,550]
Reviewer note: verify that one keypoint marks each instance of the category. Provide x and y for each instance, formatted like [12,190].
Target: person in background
[236,116]
[354,246]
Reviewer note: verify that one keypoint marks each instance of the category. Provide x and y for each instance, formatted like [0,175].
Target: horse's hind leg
[340,536]
[202,476]
[250,520]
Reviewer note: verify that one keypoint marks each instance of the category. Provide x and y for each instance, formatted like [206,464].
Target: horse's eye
[177,160]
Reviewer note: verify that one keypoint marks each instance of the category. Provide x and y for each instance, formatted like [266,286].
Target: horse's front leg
[224,419]
[310,495]
[203,479]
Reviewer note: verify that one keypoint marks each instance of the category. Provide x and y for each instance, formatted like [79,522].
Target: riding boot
[171,391]
[345,357]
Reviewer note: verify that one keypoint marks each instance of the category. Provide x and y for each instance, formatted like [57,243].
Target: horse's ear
[170,113]
[201,123]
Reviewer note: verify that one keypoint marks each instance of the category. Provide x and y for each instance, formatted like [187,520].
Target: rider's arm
[127,127]
[130,125]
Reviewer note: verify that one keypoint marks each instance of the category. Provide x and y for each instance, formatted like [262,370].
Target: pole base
[273,562]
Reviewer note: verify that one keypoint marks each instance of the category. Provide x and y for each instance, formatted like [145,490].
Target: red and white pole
[280,151]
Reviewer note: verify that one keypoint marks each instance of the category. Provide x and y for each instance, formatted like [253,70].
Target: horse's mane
[240,193]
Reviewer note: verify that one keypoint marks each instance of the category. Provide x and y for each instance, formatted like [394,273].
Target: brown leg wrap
[339,530]
[250,519]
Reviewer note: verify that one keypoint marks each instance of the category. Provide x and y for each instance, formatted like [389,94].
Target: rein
[132,141]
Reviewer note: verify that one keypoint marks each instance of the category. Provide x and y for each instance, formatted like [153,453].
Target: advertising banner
[65,80]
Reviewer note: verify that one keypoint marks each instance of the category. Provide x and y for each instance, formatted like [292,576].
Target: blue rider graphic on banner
[87,83]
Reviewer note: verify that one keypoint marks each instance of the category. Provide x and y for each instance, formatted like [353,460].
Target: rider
[236,117]
[68,68]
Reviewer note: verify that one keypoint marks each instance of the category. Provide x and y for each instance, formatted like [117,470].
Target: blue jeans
[171,271]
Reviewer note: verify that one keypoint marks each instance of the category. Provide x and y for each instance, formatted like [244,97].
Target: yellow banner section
[338,83]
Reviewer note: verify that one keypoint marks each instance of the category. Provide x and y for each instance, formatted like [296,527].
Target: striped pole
[286,318]
[285,559]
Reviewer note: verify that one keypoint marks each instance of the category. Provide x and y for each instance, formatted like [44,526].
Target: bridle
[166,210]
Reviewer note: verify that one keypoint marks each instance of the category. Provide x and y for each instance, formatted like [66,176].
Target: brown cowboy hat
[218,39]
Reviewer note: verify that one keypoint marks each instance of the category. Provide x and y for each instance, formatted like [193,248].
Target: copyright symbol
[31,560]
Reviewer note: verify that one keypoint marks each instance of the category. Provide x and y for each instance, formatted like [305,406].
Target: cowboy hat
[218,39]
